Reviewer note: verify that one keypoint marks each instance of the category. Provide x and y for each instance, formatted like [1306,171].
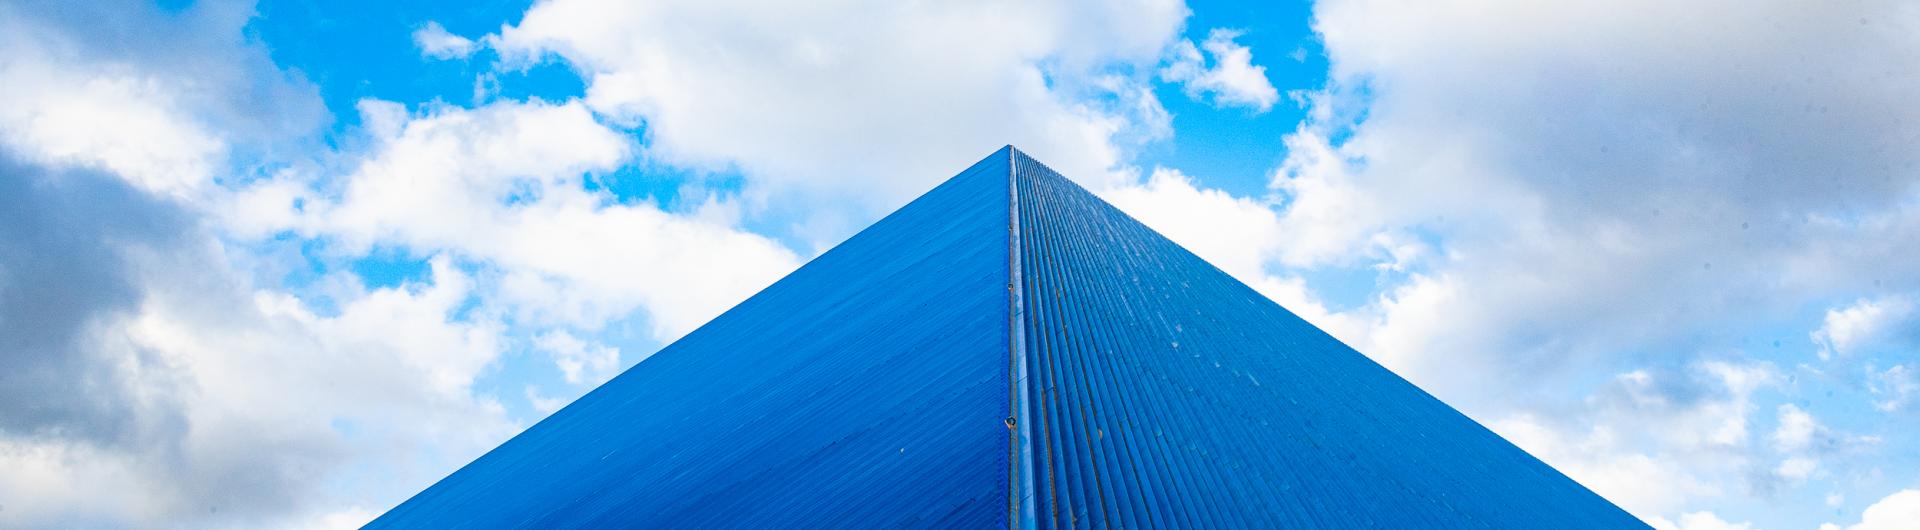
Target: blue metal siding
[867,389]
[1168,395]
[875,387]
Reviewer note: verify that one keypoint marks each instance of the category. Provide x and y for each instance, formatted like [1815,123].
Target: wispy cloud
[434,41]
[1232,79]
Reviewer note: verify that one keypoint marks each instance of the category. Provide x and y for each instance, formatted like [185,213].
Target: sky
[281,265]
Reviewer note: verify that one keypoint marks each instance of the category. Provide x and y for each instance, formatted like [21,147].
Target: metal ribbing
[1165,394]
[1020,483]
[868,389]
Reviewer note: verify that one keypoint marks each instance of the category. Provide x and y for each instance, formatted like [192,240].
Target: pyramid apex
[925,372]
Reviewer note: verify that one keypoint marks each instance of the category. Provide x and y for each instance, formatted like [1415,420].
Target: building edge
[1020,483]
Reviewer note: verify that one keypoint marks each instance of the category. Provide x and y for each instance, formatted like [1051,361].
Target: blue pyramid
[1007,351]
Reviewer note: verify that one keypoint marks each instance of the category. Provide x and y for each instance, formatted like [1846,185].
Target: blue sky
[304,258]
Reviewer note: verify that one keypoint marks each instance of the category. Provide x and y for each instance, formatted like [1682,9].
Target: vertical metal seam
[1021,480]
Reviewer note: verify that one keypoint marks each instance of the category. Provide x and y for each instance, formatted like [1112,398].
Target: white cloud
[215,402]
[1896,387]
[1545,186]
[543,404]
[1727,419]
[1895,512]
[1292,293]
[1242,237]
[858,102]
[66,110]
[1698,521]
[1662,444]
[167,389]
[1652,442]
[121,123]
[368,387]
[1233,80]
[503,185]
[580,362]
[196,399]
[1643,484]
[1797,468]
[1558,192]
[345,519]
[1238,235]
[1864,324]
[161,120]
[1796,429]
[1593,189]
[434,41]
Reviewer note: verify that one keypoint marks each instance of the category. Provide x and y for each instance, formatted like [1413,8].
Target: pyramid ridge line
[871,369]
[1022,466]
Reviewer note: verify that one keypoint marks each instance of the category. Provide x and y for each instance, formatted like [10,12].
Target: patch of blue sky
[1832,389]
[682,189]
[1860,451]
[360,49]
[1347,286]
[347,429]
[173,6]
[288,261]
[547,80]
[523,365]
[1342,288]
[301,266]
[1236,149]
[387,266]
[670,187]
[357,50]
[310,269]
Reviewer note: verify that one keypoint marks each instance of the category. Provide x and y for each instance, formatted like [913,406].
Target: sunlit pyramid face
[1007,350]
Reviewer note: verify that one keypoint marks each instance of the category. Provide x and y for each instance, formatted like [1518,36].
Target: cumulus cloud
[1652,442]
[73,104]
[1698,521]
[503,185]
[1867,323]
[1232,81]
[580,362]
[1796,430]
[1538,188]
[865,103]
[1896,388]
[1553,198]
[64,234]
[1797,468]
[120,123]
[542,403]
[78,98]
[152,383]
[435,42]
[1591,190]
[1237,234]
[1642,483]
[1664,443]
[1242,236]
[1896,511]
[157,388]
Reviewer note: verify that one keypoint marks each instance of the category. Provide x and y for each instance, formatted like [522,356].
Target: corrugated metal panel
[875,387]
[867,389]
[1165,394]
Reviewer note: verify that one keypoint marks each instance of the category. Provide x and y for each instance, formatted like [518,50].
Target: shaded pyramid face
[1007,350]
